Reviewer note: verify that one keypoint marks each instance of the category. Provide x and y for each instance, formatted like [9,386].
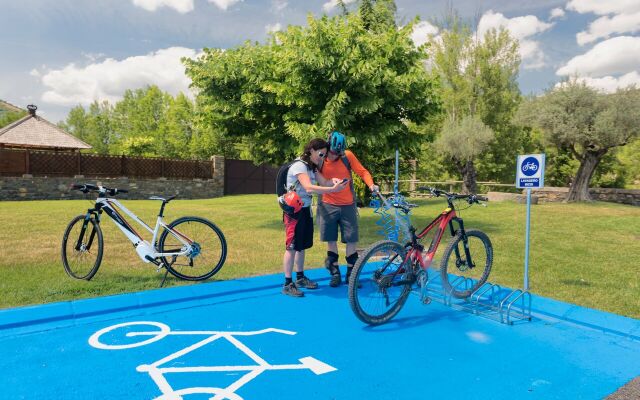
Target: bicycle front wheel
[380,283]
[82,247]
[208,248]
[462,276]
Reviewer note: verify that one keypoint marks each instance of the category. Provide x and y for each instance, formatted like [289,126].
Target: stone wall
[623,196]
[58,188]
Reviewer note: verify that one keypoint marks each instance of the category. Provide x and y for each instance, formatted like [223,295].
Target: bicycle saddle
[165,200]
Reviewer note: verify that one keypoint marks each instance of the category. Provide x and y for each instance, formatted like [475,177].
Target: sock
[299,275]
[287,281]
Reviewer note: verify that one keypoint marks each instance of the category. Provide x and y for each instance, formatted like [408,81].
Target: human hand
[374,188]
[339,185]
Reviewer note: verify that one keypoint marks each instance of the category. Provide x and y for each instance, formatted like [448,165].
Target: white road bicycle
[190,248]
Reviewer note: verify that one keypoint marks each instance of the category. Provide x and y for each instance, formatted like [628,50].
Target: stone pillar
[218,172]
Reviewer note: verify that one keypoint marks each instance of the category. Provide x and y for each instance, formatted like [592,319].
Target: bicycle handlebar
[87,187]
[471,198]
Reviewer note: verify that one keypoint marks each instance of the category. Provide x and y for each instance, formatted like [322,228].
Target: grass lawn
[586,254]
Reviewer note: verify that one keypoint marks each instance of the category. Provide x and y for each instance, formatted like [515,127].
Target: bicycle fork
[465,243]
[83,230]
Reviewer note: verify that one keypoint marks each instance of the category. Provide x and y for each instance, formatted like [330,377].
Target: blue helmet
[337,142]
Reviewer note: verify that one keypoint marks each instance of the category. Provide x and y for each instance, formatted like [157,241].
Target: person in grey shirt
[304,177]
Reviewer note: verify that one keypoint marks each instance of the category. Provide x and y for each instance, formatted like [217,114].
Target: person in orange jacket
[338,209]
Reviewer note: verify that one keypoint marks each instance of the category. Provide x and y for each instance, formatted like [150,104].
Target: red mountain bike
[385,273]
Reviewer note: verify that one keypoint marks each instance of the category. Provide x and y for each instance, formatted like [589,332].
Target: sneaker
[292,290]
[306,283]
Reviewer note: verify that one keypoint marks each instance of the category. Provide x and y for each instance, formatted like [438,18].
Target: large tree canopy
[585,123]
[478,89]
[333,74]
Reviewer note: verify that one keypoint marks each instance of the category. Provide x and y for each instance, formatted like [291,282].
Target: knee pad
[352,259]
[332,257]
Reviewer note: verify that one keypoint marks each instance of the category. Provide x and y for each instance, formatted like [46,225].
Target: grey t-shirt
[299,167]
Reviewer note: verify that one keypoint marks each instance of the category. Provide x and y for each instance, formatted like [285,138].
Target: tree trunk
[469,176]
[579,190]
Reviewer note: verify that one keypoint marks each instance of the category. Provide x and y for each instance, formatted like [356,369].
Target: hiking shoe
[335,280]
[306,283]
[292,290]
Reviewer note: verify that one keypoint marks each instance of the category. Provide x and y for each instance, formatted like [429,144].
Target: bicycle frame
[146,251]
[446,218]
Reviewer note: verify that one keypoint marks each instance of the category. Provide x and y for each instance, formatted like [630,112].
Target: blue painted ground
[426,352]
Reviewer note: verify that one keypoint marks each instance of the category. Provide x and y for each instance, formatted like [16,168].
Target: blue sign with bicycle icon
[530,171]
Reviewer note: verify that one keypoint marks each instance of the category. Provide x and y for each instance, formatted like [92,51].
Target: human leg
[328,219]
[288,259]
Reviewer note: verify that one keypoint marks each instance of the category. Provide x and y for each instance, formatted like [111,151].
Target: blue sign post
[529,174]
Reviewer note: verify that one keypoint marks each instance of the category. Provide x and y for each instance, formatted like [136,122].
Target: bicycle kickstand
[166,270]
[164,278]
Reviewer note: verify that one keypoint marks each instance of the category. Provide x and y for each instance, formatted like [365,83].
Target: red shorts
[298,230]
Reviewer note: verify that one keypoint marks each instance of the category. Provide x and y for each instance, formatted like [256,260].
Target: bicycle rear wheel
[459,277]
[82,248]
[379,284]
[209,248]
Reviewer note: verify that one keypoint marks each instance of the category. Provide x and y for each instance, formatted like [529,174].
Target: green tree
[630,159]
[586,123]
[10,116]
[478,90]
[100,132]
[179,127]
[142,114]
[76,123]
[334,74]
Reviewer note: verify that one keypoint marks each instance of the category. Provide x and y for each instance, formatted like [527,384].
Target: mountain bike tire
[376,282]
[454,270]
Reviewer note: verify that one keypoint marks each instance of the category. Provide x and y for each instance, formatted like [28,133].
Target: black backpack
[281,177]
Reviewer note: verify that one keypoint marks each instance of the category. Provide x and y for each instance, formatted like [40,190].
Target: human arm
[362,172]
[328,185]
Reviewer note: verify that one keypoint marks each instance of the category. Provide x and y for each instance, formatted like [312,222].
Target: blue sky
[58,54]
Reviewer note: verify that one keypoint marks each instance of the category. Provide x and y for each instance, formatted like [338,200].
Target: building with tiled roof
[35,132]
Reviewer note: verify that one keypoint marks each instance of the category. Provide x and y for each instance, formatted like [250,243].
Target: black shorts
[298,230]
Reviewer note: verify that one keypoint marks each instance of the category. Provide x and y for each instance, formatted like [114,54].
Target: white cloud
[604,7]
[556,13]
[273,28]
[330,5]
[181,6]
[224,4]
[610,84]
[109,79]
[34,72]
[605,26]
[279,5]
[521,28]
[619,55]
[422,31]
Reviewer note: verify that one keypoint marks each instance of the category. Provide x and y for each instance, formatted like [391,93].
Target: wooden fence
[48,163]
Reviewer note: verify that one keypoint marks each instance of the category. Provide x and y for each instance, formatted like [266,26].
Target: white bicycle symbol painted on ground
[157,372]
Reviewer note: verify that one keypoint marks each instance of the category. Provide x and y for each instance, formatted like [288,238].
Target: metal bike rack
[489,300]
